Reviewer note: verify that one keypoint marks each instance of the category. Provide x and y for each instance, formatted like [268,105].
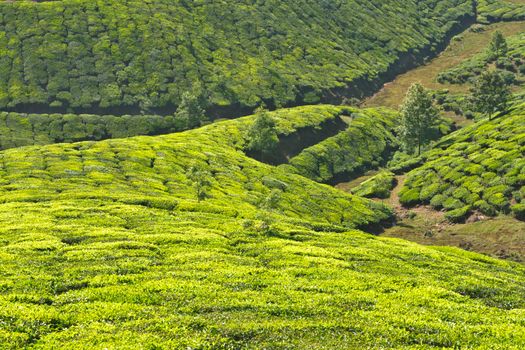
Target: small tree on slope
[498,47]
[200,177]
[262,136]
[418,118]
[490,94]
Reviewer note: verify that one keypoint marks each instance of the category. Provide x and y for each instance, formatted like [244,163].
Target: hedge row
[18,130]
[364,145]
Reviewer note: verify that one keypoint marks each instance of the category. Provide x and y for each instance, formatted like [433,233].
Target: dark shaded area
[292,144]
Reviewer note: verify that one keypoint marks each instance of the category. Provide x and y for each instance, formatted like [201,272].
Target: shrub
[409,197]
[458,215]
[518,210]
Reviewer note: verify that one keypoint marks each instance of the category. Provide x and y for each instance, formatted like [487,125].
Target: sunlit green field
[104,245]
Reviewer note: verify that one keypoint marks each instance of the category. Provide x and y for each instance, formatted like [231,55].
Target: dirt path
[467,45]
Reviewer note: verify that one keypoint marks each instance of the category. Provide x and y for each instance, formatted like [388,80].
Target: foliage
[419,119]
[19,129]
[104,245]
[500,10]
[144,55]
[262,136]
[510,63]
[200,177]
[490,94]
[191,111]
[480,166]
[498,47]
[365,144]
[378,186]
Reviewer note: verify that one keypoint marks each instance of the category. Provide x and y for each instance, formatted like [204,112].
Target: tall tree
[262,136]
[498,47]
[490,94]
[418,118]
[191,112]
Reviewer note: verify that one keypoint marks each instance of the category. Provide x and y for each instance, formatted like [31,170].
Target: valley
[240,175]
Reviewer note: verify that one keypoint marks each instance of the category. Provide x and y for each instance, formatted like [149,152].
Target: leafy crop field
[128,56]
[104,245]
[477,168]
[365,144]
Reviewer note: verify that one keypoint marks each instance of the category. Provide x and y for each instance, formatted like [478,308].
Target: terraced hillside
[106,245]
[123,57]
[480,167]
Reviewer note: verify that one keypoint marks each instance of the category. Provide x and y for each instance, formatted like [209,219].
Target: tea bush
[480,167]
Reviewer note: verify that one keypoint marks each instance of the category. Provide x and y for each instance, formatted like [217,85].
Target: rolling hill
[123,57]
[105,245]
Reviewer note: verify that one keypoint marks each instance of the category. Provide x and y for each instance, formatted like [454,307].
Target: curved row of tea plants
[105,245]
[500,10]
[133,55]
[19,129]
[481,167]
[364,145]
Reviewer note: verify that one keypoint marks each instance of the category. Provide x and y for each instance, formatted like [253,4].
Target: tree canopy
[419,117]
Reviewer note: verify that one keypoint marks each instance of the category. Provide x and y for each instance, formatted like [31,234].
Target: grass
[463,47]
[500,237]
[104,245]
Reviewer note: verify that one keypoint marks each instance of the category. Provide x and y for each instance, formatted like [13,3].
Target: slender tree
[191,111]
[490,94]
[418,118]
[200,177]
[498,47]
[262,136]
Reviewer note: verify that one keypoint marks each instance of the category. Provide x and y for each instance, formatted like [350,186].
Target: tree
[418,118]
[191,112]
[490,94]
[200,177]
[262,135]
[498,47]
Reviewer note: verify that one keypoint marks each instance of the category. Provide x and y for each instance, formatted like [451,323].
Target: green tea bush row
[378,186]
[364,145]
[18,130]
[143,55]
[478,168]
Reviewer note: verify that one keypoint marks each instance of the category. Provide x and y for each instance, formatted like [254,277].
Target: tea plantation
[123,57]
[479,168]
[105,245]
[122,229]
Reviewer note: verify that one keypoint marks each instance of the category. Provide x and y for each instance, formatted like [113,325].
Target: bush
[458,215]
[518,210]
[409,197]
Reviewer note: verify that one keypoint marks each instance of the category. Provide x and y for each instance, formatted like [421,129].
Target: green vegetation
[490,94]
[197,239]
[498,47]
[510,62]
[104,244]
[262,136]
[144,55]
[419,119]
[18,129]
[480,167]
[365,144]
[500,10]
[378,186]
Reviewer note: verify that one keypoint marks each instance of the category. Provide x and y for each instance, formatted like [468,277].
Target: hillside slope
[104,245]
[480,167]
[123,57]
